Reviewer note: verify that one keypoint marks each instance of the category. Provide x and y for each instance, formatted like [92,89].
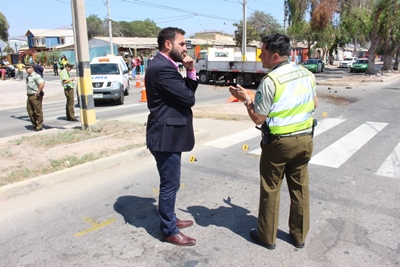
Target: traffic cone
[234,99]
[138,81]
[144,95]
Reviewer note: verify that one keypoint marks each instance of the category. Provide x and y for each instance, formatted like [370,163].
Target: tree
[251,34]
[8,49]
[95,26]
[264,23]
[391,36]
[3,27]
[258,25]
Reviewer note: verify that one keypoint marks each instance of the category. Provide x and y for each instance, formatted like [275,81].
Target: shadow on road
[140,212]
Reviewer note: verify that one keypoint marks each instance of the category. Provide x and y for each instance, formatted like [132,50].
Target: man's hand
[239,92]
[188,62]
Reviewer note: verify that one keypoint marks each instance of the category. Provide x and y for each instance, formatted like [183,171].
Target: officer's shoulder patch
[258,97]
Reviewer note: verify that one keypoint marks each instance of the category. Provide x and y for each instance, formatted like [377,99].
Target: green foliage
[8,49]
[95,26]
[138,28]
[4,26]
[41,57]
[50,55]
[258,25]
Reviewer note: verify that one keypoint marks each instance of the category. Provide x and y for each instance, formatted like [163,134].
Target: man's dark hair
[168,34]
[277,43]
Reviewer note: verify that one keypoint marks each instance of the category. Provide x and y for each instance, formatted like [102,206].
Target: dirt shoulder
[36,154]
[39,153]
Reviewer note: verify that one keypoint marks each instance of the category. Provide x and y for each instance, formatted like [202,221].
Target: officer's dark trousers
[169,169]
[287,156]
[34,109]
[69,107]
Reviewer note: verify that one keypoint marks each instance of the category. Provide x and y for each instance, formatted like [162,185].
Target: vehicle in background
[110,79]
[314,65]
[347,62]
[361,65]
[225,66]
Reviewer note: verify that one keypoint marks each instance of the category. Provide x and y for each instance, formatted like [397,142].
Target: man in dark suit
[170,125]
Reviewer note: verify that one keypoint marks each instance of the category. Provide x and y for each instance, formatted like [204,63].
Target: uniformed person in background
[34,91]
[283,104]
[68,83]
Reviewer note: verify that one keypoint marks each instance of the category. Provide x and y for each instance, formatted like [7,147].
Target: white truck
[225,66]
[110,78]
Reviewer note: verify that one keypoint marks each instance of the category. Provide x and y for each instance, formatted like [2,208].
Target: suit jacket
[169,99]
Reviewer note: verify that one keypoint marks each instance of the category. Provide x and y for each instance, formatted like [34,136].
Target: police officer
[34,91]
[68,83]
[283,104]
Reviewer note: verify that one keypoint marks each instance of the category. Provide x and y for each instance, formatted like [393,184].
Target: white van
[110,78]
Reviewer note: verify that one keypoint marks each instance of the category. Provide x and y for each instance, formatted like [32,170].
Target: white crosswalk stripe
[391,166]
[322,126]
[340,151]
[234,139]
[336,154]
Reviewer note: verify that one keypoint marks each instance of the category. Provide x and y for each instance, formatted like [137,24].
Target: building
[45,39]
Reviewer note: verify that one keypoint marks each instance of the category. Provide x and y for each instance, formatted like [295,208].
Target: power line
[143,3]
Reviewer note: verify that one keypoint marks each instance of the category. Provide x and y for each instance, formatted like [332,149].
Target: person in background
[138,66]
[133,67]
[141,65]
[55,66]
[20,70]
[169,129]
[68,84]
[62,62]
[34,91]
[284,103]
[39,69]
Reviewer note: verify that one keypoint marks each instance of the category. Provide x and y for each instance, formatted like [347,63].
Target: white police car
[110,79]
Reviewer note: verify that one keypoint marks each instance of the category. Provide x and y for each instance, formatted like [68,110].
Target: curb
[341,82]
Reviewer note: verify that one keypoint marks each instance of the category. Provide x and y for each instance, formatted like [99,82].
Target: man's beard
[175,55]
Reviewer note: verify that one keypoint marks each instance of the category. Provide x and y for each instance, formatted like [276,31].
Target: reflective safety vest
[293,103]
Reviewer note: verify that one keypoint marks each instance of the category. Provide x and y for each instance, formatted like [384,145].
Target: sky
[191,15]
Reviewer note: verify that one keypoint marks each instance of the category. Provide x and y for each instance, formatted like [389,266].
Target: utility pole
[284,15]
[85,90]
[110,28]
[244,37]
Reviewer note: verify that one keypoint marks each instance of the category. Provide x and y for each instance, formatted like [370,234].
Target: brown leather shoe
[179,240]
[180,224]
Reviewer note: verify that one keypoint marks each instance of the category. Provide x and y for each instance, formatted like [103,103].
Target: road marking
[95,226]
[340,151]
[322,126]
[234,139]
[326,124]
[391,166]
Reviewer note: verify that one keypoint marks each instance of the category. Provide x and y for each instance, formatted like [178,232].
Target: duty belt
[274,137]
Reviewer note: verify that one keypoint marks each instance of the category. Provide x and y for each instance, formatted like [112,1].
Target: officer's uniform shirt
[266,93]
[64,75]
[32,83]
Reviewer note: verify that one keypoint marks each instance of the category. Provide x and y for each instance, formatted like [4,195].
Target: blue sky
[190,15]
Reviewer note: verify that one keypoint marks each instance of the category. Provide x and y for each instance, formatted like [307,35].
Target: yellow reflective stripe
[292,128]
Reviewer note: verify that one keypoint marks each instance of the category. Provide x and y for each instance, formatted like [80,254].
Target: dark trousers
[34,109]
[169,169]
[69,107]
[287,157]
[55,70]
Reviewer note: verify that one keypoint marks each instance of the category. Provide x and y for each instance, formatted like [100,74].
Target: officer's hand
[239,92]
